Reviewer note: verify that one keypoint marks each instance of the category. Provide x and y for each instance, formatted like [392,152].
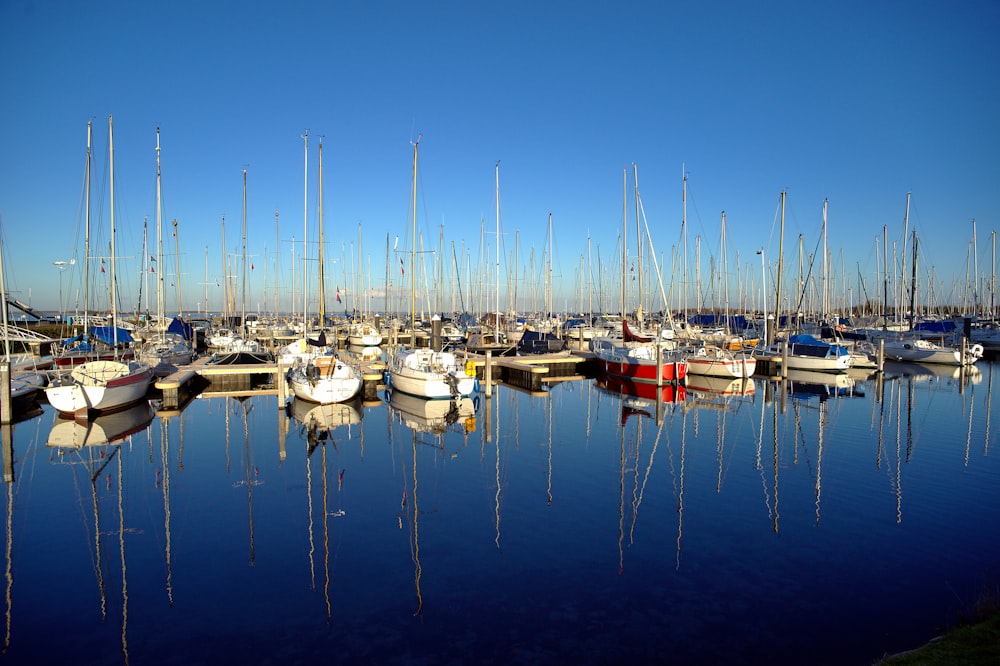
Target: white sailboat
[324,378]
[98,386]
[165,349]
[424,372]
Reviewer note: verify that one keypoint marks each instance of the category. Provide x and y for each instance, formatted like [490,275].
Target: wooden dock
[531,373]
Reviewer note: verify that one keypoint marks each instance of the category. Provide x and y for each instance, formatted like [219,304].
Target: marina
[819,518]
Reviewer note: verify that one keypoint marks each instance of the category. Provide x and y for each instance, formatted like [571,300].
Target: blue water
[793,524]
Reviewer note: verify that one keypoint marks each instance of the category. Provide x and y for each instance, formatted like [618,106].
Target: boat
[427,373]
[639,358]
[228,345]
[98,386]
[706,384]
[714,361]
[806,352]
[537,342]
[364,334]
[920,350]
[324,378]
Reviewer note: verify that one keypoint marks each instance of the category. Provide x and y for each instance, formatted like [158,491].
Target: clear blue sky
[855,102]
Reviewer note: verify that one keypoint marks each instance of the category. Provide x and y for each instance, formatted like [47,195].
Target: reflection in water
[839,464]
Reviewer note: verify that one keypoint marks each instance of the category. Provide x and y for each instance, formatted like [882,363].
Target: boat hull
[100,386]
[428,374]
[325,380]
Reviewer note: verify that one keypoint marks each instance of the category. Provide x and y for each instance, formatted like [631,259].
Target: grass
[974,641]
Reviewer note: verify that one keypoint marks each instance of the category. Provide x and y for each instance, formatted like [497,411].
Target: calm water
[795,524]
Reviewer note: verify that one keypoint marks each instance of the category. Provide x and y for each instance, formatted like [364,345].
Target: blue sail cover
[807,345]
[181,328]
[108,334]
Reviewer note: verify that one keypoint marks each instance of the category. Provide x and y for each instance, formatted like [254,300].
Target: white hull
[99,386]
[814,364]
[429,374]
[923,351]
[325,380]
[717,362]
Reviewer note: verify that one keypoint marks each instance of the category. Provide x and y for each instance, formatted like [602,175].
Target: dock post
[488,373]
[784,359]
[7,434]
[6,408]
[880,359]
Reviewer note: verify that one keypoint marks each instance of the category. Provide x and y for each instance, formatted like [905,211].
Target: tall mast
[159,240]
[913,282]
[902,265]
[111,181]
[624,270]
[684,243]
[177,264]
[305,233]
[276,262]
[243,284]
[413,248]
[496,316]
[638,243]
[781,254]
[322,288]
[86,237]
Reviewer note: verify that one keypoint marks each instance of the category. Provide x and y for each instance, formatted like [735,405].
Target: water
[804,524]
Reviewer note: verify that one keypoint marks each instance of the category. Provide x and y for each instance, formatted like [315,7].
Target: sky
[856,103]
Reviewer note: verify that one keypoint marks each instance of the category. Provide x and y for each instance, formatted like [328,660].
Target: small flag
[338,294]
[402,271]
[251,266]
[151,270]
[102,268]
[152,258]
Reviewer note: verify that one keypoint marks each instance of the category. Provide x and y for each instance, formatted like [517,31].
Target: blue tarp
[181,328]
[108,334]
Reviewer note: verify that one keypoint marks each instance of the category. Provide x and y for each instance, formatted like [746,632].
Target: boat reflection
[108,428]
[825,385]
[929,371]
[668,393]
[703,384]
[433,416]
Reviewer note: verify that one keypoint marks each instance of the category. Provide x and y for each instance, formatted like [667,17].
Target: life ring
[976,350]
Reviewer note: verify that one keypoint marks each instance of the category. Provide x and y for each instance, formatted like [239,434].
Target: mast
[305,232]
[276,262]
[322,288]
[777,290]
[413,252]
[243,284]
[638,243]
[913,282]
[684,214]
[177,263]
[496,316]
[902,265]
[111,181]
[86,241]
[624,270]
[159,242]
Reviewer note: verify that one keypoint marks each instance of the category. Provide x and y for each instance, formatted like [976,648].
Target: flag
[251,266]
[338,294]
[151,270]
[402,271]
[102,268]
[152,258]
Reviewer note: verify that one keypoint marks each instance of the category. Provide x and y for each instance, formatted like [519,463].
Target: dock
[531,373]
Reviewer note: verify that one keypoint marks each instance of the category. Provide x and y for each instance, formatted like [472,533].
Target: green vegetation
[974,641]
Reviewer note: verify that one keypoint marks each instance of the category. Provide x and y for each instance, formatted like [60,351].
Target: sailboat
[95,343]
[103,385]
[635,355]
[426,373]
[324,378]
[166,349]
